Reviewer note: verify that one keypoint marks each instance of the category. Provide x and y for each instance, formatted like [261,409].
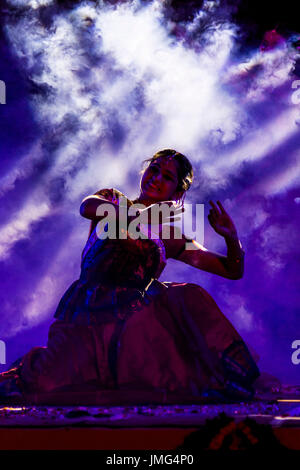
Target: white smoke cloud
[262,73]
[288,178]
[25,168]
[30,3]
[184,99]
[19,228]
[182,86]
[53,283]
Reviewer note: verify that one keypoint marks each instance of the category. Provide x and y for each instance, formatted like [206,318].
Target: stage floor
[142,426]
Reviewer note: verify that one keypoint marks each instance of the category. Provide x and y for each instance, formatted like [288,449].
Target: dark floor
[166,425]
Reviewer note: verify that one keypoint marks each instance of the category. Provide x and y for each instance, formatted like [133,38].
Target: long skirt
[180,342]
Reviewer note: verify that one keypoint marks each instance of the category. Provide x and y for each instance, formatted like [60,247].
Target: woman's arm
[230,266]
[90,204]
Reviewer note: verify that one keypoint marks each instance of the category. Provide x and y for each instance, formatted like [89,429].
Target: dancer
[119,328]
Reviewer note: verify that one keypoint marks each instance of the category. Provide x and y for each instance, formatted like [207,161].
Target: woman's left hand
[221,221]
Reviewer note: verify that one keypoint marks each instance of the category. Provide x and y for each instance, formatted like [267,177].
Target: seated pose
[118,328]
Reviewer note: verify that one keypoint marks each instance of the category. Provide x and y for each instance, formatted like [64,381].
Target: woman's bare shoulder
[111,194]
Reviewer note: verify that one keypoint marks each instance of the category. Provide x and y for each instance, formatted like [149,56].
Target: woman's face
[160,180]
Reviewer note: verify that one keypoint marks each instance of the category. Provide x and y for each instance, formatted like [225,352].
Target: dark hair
[185,171]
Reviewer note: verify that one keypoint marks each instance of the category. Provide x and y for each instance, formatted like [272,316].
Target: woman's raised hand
[221,221]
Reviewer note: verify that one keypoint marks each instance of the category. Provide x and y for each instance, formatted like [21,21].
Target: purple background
[92,91]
